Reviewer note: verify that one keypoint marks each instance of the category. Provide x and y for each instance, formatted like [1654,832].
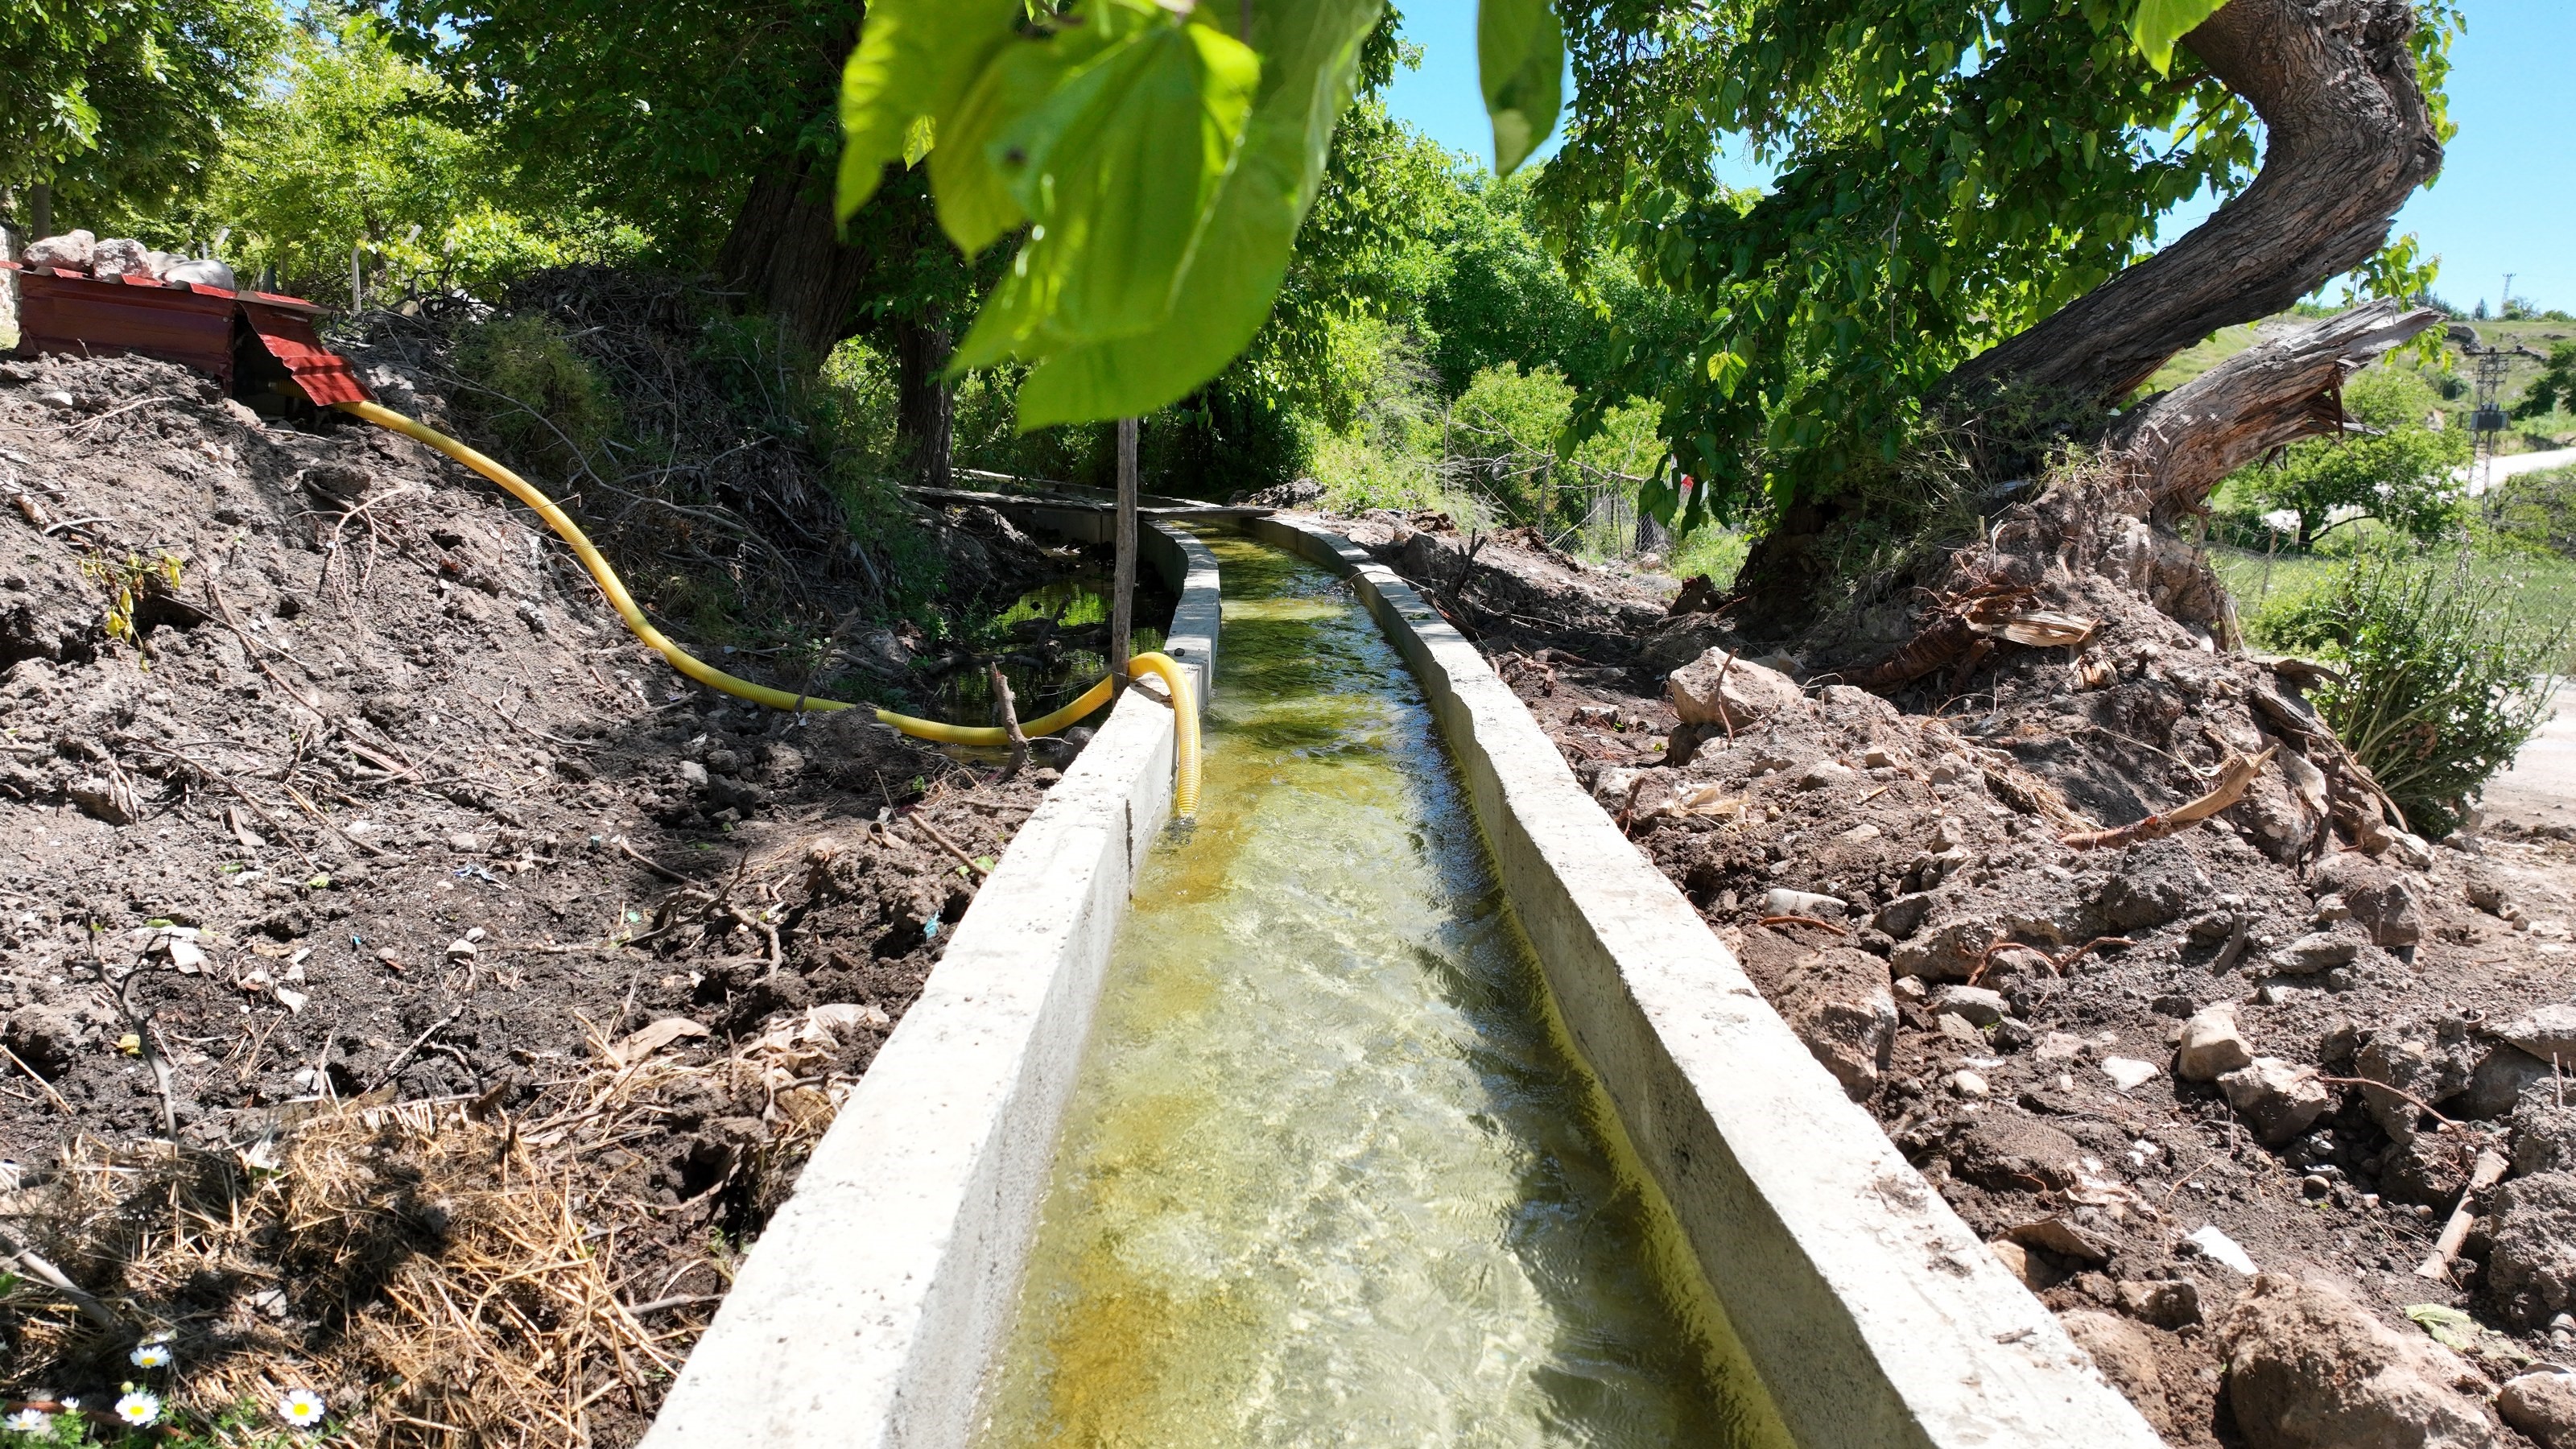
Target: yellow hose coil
[1185,716]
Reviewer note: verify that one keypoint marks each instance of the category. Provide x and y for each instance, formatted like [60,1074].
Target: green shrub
[544,405]
[2442,681]
[2537,510]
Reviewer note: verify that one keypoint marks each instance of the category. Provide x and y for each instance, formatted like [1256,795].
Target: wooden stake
[1010,722]
[1123,539]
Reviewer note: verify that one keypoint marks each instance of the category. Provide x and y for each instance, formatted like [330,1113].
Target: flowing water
[1331,1175]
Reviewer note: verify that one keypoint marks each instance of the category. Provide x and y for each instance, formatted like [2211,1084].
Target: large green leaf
[2157,24]
[975,202]
[915,58]
[1520,55]
[1310,58]
[1115,167]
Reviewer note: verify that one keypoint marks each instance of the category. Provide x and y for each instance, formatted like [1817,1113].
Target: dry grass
[447,1276]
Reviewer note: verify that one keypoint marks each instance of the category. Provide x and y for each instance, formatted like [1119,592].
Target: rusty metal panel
[324,375]
[83,316]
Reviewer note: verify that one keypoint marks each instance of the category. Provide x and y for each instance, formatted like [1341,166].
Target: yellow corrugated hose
[1176,679]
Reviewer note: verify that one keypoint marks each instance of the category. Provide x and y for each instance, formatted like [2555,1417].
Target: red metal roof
[72,312]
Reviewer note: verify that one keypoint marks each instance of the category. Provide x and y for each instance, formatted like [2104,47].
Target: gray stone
[2153,884]
[1980,1006]
[2542,1407]
[2545,1032]
[1839,1004]
[201,274]
[2212,1046]
[2434,1071]
[2380,899]
[1903,916]
[2498,1082]
[2317,951]
[2544,1133]
[2174,1304]
[2278,1099]
[1716,689]
[71,251]
[1825,773]
[120,257]
[2309,1368]
[693,774]
[2531,1269]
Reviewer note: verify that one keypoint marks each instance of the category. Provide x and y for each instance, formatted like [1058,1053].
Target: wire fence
[1576,505]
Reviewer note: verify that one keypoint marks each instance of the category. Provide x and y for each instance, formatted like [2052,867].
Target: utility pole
[1123,540]
[2505,303]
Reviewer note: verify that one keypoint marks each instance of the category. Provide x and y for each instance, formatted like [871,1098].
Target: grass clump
[2442,681]
[532,393]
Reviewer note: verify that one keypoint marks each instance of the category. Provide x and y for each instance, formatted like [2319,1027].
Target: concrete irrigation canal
[1331,1174]
[1397,1103]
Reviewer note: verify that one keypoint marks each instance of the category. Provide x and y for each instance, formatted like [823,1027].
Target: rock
[2174,1304]
[1716,689]
[2547,1032]
[2485,894]
[2212,1046]
[105,798]
[2544,1133]
[2308,1368]
[1947,952]
[2531,1267]
[2411,851]
[202,274]
[1780,901]
[2017,1261]
[120,257]
[2152,885]
[2433,1071]
[1965,1083]
[1980,1006]
[2498,1082]
[1903,916]
[2219,1248]
[2063,1238]
[71,251]
[2129,1073]
[2126,1355]
[2542,1407]
[693,774]
[2317,951]
[2379,899]
[46,1038]
[1839,1004]
[1824,774]
[2005,1150]
[2278,1099]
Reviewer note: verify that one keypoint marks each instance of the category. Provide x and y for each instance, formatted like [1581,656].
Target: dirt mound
[1905,876]
[329,784]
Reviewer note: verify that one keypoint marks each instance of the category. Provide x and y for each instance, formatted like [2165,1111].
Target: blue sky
[2506,200]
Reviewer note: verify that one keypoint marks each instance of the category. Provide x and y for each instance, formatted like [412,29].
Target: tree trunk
[925,409]
[784,254]
[2349,139]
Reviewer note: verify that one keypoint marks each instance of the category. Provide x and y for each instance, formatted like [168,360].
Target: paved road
[2515,464]
[2540,789]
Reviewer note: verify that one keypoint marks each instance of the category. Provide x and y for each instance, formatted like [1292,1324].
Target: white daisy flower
[68,1402]
[302,1408]
[155,1354]
[27,1421]
[138,1408]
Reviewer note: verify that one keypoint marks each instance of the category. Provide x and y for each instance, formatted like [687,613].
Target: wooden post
[357,278]
[1122,585]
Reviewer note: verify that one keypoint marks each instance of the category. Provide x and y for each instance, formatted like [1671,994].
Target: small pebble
[1968,1084]
[2315,1186]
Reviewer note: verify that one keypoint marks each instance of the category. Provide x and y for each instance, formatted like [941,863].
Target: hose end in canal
[1185,714]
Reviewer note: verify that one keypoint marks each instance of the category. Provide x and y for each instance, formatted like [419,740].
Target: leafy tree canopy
[1947,173]
[2555,386]
[125,103]
[2395,469]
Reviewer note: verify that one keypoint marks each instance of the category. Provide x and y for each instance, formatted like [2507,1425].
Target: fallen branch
[1010,721]
[2236,775]
[52,1277]
[950,846]
[2489,1171]
[47,1087]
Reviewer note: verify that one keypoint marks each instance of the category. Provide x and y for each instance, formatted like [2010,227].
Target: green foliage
[2159,23]
[2442,680]
[1520,58]
[1948,172]
[1160,164]
[527,389]
[2537,511]
[2399,473]
[123,105]
[2556,385]
[347,149]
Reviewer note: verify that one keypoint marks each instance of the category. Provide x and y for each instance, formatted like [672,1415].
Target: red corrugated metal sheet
[325,376]
[61,311]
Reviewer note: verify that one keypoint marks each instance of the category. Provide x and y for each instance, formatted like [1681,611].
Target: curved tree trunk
[925,410]
[2350,138]
[785,255]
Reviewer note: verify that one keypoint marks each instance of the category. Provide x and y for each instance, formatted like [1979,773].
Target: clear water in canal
[1331,1175]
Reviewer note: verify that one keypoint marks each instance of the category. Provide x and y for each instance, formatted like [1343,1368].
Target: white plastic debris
[2220,1248]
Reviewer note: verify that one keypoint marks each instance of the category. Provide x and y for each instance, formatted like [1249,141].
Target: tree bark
[925,412]
[784,254]
[2349,139]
